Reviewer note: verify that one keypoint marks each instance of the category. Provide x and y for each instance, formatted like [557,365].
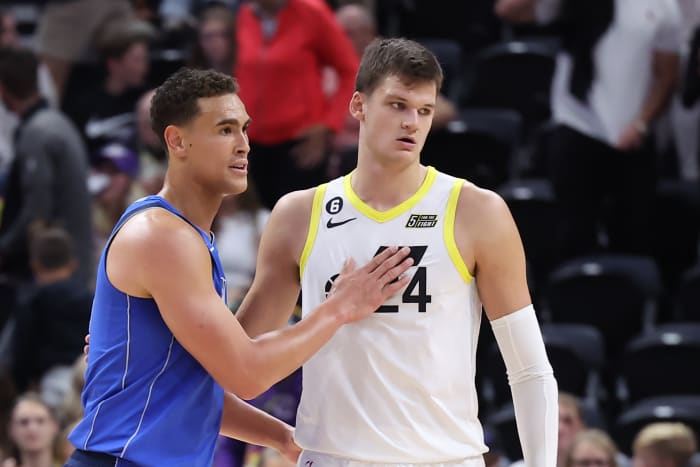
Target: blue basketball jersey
[146,399]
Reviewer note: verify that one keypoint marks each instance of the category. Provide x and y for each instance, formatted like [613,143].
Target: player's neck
[198,205]
[384,187]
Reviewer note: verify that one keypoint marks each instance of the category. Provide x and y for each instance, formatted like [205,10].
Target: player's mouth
[240,166]
[407,142]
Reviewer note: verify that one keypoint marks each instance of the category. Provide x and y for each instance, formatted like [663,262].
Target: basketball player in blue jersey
[167,360]
[397,389]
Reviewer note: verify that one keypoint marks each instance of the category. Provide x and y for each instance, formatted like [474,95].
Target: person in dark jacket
[47,179]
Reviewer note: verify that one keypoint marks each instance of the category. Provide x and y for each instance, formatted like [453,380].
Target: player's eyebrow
[396,97]
[232,121]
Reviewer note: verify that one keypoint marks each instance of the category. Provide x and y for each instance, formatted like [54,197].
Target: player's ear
[174,140]
[357,105]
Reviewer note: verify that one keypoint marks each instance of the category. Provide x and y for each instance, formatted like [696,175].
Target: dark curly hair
[175,101]
[404,58]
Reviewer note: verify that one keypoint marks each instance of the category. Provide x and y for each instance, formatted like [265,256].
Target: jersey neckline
[385,216]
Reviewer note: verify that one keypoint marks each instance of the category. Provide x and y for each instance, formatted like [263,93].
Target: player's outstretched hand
[361,291]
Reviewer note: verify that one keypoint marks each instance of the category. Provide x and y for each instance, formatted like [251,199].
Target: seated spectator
[67,30]
[51,321]
[592,448]
[33,430]
[664,445]
[571,423]
[104,114]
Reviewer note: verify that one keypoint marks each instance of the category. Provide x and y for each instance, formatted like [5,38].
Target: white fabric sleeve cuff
[532,384]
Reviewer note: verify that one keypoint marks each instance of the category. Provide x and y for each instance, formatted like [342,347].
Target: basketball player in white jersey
[398,388]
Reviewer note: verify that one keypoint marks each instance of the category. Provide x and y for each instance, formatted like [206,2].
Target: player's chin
[235,187]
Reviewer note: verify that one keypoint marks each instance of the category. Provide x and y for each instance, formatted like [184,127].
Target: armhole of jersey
[449,231]
[313,227]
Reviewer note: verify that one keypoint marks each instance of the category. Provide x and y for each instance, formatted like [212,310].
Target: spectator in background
[47,180]
[9,37]
[592,448]
[238,227]
[50,323]
[67,30]
[215,45]
[153,161]
[105,116]
[360,27]
[33,430]
[283,48]
[664,444]
[683,116]
[8,120]
[571,424]
[613,79]
[71,409]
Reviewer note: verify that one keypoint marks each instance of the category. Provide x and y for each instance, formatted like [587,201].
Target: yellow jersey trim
[384,216]
[313,226]
[449,231]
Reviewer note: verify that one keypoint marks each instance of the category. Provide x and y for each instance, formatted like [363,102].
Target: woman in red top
[284,45]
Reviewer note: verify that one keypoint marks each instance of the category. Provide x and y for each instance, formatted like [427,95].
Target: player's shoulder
[477,200]
[481,209]
[296,204]
[152,231]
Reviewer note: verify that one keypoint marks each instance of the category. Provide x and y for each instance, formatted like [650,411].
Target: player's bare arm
[153,244]
[273,294]
[490,244]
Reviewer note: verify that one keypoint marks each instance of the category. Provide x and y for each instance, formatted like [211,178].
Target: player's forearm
[532,384]
[244,422]
[536,415]
[278,353]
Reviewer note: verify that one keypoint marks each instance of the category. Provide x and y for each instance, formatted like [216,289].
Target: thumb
[348,266]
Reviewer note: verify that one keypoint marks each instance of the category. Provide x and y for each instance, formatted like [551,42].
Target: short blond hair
[597,438]
[674,441]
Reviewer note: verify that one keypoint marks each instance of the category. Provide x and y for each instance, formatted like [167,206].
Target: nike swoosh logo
[330,224]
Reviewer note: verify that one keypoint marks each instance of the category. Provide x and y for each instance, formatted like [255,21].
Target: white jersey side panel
[397,387]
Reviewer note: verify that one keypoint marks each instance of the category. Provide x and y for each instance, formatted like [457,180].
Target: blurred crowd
[584,116]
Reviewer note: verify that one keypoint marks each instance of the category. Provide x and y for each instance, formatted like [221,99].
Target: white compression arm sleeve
[532,384]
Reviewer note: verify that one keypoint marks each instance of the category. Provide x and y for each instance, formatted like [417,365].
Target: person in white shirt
[600,150]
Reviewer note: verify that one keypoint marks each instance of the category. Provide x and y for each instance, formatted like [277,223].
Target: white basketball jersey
[397,387]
